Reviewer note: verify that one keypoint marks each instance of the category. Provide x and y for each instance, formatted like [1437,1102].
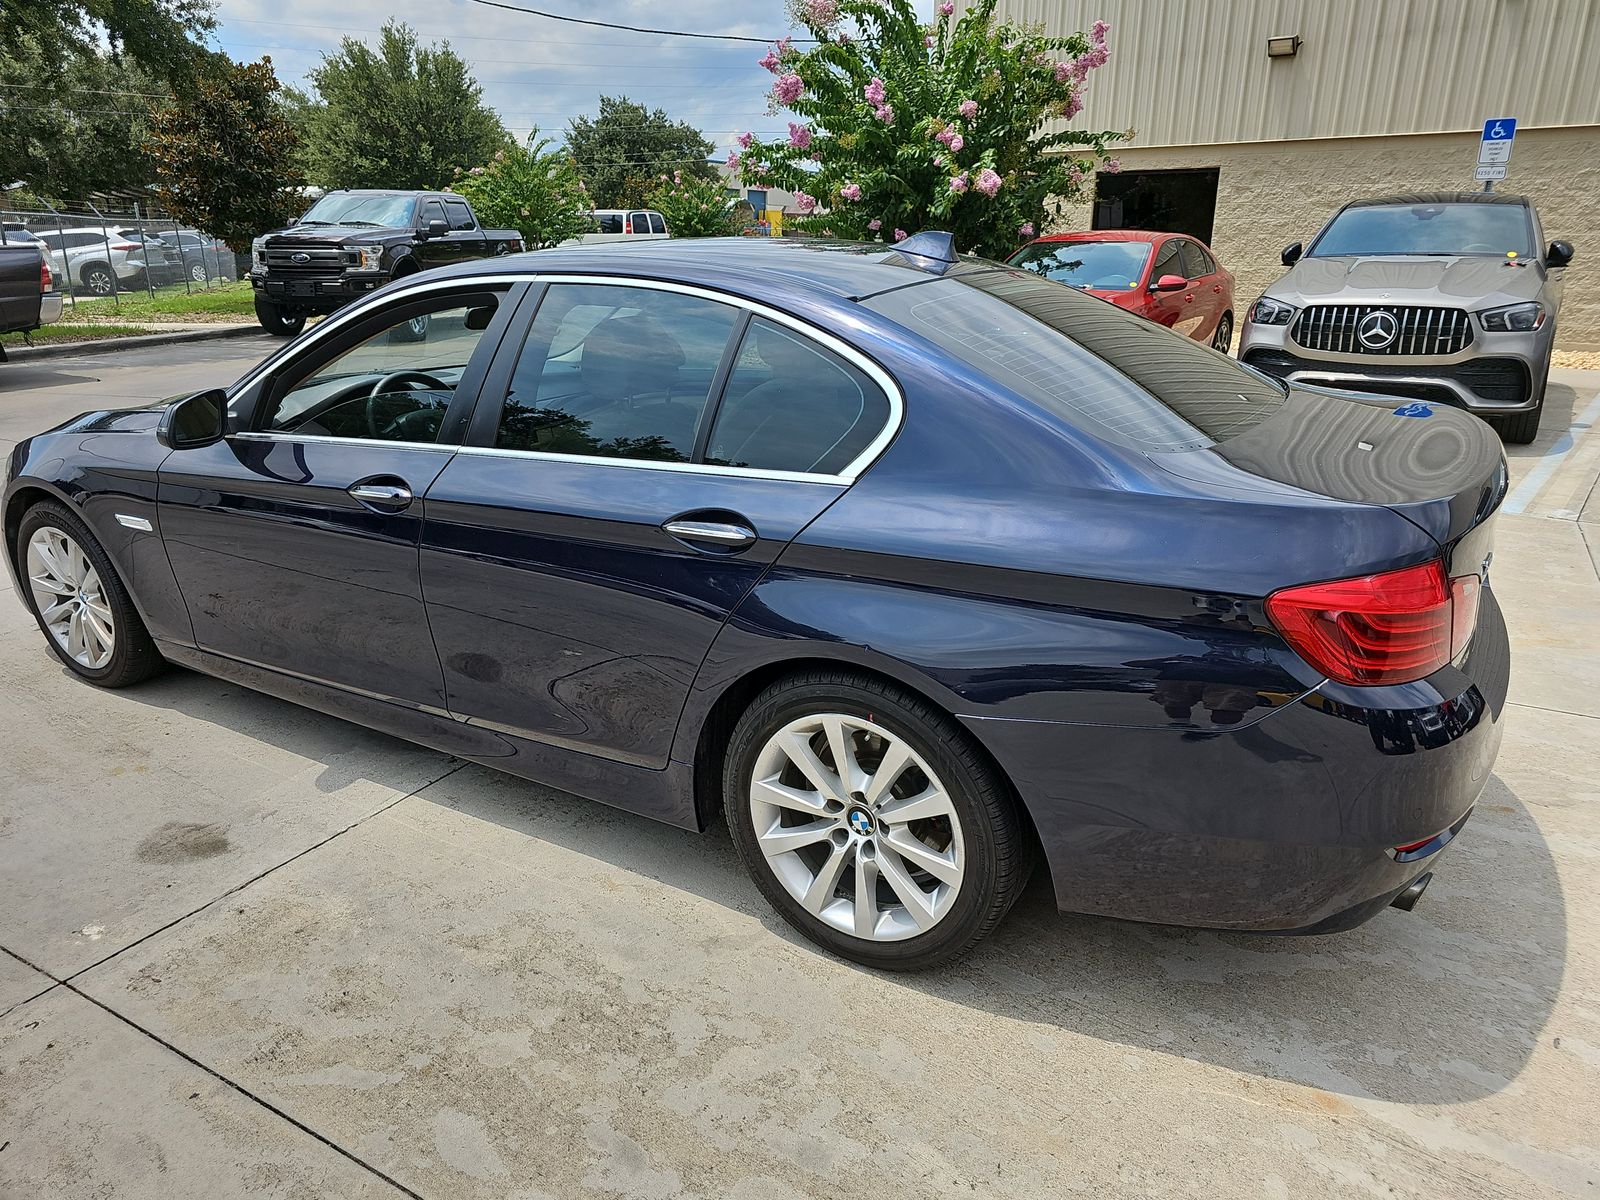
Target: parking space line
[1524,493]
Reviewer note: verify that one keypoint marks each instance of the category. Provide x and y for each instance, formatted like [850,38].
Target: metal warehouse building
[1253,120]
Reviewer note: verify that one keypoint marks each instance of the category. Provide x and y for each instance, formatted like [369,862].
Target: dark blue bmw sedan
[916,568]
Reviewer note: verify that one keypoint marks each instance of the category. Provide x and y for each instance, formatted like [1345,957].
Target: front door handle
[724,535]
[386,496]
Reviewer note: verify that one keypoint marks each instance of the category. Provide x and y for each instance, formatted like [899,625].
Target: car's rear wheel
[99,279]
[79,602]
[1518,429]
[197,272]
[871,821]
[1222,339]
[275,321]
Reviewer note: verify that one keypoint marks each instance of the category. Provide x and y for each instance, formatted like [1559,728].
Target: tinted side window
[431,211]
[792,405]
[615,372]
[1168,262]
[1195,263]
[610,222]
[658,223]
[638,222]
[460,215]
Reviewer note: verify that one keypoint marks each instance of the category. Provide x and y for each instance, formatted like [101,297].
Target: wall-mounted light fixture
[1283,47]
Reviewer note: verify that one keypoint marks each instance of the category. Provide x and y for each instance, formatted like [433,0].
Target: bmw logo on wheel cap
[860,821]
[1378,330]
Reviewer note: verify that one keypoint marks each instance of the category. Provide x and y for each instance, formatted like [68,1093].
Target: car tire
[1222,338]
[98,279]
[275,321]
[414,330]
[197,273]
[101,602]
[968,829]
[1518,429]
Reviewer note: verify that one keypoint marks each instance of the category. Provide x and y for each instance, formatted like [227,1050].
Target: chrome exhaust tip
[1407,900]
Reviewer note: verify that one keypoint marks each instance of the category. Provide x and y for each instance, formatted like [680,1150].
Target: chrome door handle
[727,535]
[384,495]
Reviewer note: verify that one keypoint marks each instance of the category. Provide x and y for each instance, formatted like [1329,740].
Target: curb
[164,338]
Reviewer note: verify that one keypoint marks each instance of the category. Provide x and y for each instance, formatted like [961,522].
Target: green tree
[401,116]
[531,189]
[908,126]
[75,124]
[693,207]
[163,36]
[622,151]
[224,155]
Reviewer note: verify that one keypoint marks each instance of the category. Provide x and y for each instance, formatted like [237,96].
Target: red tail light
[126,246]
[1389,628]
[44,277]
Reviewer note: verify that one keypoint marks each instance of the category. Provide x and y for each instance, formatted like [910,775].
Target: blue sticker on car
[1417,409]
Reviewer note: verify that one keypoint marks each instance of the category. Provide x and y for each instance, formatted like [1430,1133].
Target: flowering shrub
[906,126]
[532,190]
[693,207]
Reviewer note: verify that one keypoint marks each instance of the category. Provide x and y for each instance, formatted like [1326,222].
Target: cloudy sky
[541,72]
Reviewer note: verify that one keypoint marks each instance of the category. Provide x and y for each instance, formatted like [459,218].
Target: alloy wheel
[70,597]
[857,827]
[99,281]
[1223,338]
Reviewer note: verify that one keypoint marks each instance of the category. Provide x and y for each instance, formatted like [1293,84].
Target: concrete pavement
[251,950]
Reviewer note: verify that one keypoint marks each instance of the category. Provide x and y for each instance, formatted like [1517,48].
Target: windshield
[1103,266]
[391,212]
[1492,229]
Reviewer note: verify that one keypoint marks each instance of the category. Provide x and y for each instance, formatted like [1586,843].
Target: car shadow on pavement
[1561,401]
[1443,1005]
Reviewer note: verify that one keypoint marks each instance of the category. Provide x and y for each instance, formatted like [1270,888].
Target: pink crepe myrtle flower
[988,182]
[769,60]
[745,139]
[885,113]
[804,202]
[1098,33]
[822,12]
[928,41]
[900,235]
[959,183]
[944,135]
[850,191]
[1026,229]
[875,224]
[947,8]
[1073,106]
[799,136]
[956,143]
[733,162]
[789,88]
[1113,166]
[1063,72]
[677,177]
[938,160]
[968,109]
[874,93]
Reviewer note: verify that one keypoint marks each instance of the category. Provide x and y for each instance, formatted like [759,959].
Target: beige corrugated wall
[1295,138]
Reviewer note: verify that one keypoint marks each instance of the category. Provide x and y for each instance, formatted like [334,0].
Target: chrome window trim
[849,474]
[284,435]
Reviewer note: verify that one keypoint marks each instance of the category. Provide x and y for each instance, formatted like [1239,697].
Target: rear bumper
[49,308]
[1289,825]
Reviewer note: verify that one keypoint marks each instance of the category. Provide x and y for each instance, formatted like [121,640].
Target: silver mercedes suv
[1445,297]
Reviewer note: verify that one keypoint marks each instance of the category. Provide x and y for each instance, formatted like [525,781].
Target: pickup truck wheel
[275,321]
[414,330]
[99,279]
[1518,429]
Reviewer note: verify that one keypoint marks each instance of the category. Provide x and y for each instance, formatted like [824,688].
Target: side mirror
[436,229]
[1169,283]
[1559,254]
[1291,254]
[194,421]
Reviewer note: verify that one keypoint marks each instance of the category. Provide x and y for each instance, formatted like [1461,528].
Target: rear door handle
[386,496]
[724,535]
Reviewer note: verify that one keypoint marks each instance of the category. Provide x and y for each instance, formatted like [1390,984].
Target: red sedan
[1166,277]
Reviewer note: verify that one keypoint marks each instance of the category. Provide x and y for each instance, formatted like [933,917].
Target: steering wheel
[388,384]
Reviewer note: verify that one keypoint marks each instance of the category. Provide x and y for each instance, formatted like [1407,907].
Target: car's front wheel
[871,821]
[79,602]
[99,279]
[275,321]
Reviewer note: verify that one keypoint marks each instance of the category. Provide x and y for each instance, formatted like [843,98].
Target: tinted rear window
[1085,358]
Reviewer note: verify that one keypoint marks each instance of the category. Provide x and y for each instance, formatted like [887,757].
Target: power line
[714,37]
[431,33]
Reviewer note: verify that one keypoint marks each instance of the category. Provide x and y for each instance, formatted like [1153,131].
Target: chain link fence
[104,254]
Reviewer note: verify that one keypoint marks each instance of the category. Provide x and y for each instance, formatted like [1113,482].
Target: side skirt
[663,795]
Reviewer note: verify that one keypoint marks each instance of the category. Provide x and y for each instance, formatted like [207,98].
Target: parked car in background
[96,261]
[353,242]
[1168,278]
[1449,297]
[203,258]
[20,235]
[918,568]
[625,224]
[28,298]
[161,263]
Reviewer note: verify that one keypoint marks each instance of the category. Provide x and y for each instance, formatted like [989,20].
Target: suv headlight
[258,252]
[364,258]
[1267,311]
[1513,318]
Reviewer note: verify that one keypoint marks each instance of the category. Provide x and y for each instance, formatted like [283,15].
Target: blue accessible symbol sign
[1414,409]
[1494,149]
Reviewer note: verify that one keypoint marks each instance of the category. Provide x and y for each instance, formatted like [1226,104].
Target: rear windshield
[1490,229]
[1080,357]
[1103,266]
